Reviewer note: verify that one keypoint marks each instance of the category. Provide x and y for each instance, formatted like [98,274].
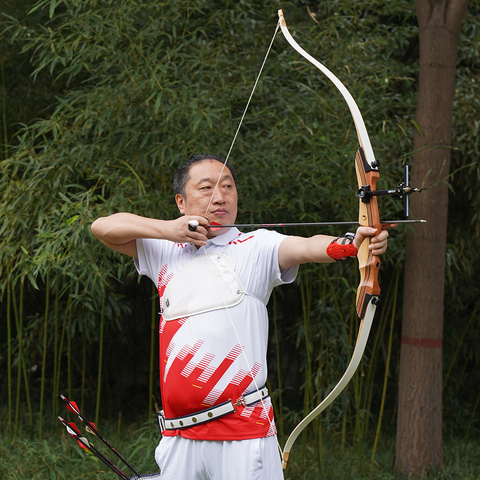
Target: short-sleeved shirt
[210,357]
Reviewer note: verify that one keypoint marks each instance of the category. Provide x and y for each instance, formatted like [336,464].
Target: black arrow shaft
[299,224]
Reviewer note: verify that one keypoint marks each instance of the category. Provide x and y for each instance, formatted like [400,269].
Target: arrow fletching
[90,430]
[72,429]
[74,432]
[72,406]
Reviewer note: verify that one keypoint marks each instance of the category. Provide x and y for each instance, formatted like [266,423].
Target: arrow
[91,428]
[74,432]
[215,226]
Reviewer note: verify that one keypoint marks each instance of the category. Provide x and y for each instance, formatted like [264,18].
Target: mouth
[220,212]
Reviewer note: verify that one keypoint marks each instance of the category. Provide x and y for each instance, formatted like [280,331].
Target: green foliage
[139,86]
[57,456]
[462,317]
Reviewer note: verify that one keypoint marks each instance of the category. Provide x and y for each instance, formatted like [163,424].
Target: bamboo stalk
[9,359]
[59,356]
[387,369]
[84,367]
[44,353]
[4,150]
[21,369]
[24,366]
[69,351]
[309,392]
[55,353]
[19,356]
[377,342]
[100,361]
[368,398]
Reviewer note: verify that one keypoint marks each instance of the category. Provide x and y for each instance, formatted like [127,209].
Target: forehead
[207,170]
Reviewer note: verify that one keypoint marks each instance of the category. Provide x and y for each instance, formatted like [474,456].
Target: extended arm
[299,250]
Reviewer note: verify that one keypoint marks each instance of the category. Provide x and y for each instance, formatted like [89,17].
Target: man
[214,284]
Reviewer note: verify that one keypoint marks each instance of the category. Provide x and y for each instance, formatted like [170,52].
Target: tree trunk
[419,427]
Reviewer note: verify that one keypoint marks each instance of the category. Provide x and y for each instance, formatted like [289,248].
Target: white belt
[217,411]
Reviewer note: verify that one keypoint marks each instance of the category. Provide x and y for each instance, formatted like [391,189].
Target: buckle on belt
[241,402]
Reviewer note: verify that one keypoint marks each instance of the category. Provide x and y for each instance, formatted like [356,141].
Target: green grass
[57,456]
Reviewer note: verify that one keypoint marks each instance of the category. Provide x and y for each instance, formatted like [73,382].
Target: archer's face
[199,189]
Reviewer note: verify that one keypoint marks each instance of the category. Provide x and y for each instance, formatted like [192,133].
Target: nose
[218,197]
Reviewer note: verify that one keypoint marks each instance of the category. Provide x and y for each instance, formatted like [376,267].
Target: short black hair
[182,175]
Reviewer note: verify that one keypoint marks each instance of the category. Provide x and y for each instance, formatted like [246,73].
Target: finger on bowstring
[193,225]
[197,222]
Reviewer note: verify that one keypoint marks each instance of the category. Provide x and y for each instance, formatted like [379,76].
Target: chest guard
[206,283]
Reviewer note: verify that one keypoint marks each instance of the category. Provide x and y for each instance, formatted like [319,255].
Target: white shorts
[184,459]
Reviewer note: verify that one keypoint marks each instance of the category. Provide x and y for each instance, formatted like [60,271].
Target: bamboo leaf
[72,220]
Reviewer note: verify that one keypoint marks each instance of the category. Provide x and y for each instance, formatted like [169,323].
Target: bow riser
[368,264]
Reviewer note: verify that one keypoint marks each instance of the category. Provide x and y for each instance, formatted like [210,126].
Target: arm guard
[342,248]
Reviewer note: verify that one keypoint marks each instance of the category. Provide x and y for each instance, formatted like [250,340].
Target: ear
[180,200]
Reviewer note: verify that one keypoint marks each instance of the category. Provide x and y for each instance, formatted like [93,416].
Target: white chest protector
[206,283]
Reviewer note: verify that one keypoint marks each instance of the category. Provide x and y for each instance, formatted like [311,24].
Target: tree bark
[419,425]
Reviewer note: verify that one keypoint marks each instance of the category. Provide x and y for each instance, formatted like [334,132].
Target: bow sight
[403,190]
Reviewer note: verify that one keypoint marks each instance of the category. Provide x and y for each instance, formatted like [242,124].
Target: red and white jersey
[209,357]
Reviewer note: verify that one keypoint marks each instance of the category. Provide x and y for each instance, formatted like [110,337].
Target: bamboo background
[114,96]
